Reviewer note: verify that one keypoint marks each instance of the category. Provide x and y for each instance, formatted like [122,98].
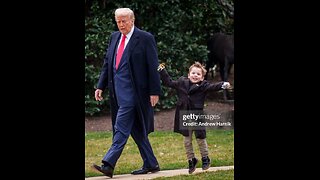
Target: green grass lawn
[216,175]
[167,146]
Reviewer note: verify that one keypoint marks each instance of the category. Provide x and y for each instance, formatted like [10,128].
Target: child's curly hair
[198,65]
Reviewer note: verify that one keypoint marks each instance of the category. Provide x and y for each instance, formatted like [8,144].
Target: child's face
[195,75]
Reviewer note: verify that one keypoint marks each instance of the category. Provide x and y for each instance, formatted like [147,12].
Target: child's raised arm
[165,77]
[218,86]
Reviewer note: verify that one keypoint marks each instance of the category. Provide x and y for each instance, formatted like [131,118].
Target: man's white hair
[124,12]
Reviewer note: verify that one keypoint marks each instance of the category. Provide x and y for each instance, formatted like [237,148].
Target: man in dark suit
[130,73]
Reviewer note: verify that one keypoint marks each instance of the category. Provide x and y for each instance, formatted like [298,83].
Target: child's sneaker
[205,163]
[192,165]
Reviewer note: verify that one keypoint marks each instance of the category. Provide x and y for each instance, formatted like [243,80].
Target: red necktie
[120,51]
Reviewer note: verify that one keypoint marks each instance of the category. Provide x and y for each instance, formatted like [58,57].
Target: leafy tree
[181,29]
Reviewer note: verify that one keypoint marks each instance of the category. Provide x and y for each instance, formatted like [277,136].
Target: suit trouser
[202,143]
[127,123]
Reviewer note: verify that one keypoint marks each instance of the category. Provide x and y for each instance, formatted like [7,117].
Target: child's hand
[226,85]
[161,67]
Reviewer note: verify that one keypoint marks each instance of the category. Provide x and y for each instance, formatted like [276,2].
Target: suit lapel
[195,87]
[133,40]
[113,48]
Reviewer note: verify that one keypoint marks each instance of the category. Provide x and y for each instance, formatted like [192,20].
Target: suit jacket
[142,58]
[190,97]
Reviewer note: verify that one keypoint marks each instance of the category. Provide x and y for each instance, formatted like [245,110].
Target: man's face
[124,24]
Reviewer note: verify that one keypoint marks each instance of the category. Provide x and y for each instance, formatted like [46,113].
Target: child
[191,93]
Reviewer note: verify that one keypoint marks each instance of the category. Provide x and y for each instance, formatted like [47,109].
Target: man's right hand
[98,95]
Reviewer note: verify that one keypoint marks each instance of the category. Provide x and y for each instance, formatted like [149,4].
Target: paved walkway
[165,173]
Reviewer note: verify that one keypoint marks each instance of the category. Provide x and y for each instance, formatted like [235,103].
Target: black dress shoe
[145,170]
[106,170]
